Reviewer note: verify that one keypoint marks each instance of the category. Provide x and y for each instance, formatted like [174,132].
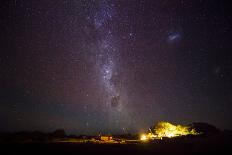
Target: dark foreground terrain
[219,144]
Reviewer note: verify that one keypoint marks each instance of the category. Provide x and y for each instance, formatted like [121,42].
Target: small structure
[106,138]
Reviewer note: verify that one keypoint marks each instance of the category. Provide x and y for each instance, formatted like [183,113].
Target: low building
[106,138]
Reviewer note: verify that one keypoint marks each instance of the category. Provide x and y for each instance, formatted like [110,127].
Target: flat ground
[213,145]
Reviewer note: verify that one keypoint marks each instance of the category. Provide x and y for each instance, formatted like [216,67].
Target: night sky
[91,66]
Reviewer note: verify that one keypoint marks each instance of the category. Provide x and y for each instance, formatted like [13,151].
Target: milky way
[114,66]
[106,64]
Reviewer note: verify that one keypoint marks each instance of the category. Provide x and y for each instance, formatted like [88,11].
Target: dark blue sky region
[114,66]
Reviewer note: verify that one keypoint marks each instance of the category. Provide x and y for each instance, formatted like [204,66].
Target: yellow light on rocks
[166,129]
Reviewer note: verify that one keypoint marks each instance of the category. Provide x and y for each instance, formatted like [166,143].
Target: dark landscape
[116,77]
[220,144]
[212,141]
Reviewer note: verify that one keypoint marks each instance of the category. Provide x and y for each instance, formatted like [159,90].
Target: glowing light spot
[143,137]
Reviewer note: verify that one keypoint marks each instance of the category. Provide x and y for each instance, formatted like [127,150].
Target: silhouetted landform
[210,141]
[35,136]
[205,128]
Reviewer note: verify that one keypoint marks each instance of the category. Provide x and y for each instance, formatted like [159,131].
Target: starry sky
[114,66]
